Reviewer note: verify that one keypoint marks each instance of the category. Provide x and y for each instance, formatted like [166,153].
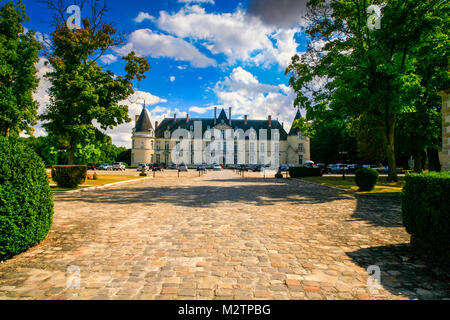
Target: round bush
[69,176]
[366,179]
[26,201]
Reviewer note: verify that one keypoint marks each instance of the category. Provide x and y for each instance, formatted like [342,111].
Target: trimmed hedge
[26,201]
[426,213]
[366,179]
[300,172]
[69,176]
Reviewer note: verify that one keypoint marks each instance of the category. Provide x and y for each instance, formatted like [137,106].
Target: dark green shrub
[26,201]
[366,179]
[299,172]
[69,176]
[426,212]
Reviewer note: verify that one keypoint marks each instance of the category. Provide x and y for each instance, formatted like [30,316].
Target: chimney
[156,124]
[187,117]
[137,118]
[282,124]
[245,119]
[270,121]
[215,115]
[175,117]
[230,116]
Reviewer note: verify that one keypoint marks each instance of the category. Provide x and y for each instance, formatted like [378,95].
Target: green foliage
[375,74]
[426,212]
[331,136]
[46,148]
[82,91]
[124,156]
[18,55]
[69,176]
[300,172]
[86,154]
[26,202]
[366,179]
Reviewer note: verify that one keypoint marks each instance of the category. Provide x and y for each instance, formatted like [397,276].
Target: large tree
[82,91]
[368,73]
[18,55]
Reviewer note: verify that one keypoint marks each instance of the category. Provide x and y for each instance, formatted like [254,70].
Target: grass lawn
[101,181]
[383,187]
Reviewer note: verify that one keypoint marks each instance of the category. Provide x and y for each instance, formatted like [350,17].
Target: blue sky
[202,53]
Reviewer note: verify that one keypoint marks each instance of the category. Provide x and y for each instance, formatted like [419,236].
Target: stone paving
[221,236]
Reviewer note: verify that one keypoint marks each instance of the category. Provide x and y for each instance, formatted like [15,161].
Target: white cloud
[41,95]
[283,13]
[143,16]
[172,79]
[121,135]
[200,110]
[108,59]
[196,1]
[145,42]
[238,36]
[248,96]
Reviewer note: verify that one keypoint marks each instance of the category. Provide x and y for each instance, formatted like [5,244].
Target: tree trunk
[4,129]
[418,163]
[433,159]
[71,155]
[387,130]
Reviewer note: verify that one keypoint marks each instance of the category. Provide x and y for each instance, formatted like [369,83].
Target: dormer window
[300,136]
[166,134]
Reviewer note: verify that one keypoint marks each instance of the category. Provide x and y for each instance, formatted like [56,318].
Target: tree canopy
[371,75]
[18,55]
[81,91]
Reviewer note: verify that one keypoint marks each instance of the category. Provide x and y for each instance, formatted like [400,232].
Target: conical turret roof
[295,131]
[144,123]
[222,116]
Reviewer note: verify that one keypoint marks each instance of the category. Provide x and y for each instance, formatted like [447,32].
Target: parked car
[201,167]
[118,166]
[156,167]
[242,167]
[182,167]
[92,166]
[352,168]
[140,165]
[173,166]
[106,167]
[337,168]
[324,167]
[217,167]
[256,168]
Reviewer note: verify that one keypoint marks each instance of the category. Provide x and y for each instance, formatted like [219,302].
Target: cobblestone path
[220,236]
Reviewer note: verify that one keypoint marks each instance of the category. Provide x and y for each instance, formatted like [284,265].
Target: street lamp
[343,154]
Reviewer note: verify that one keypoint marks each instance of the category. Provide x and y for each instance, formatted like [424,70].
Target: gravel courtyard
[220,236]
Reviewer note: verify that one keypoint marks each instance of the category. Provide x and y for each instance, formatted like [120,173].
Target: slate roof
[295,131]
[144,123]
[181,123]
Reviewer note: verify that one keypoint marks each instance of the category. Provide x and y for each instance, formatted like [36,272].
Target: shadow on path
[404,274]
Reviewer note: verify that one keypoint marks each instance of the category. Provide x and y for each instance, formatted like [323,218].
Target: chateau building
[252,141]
